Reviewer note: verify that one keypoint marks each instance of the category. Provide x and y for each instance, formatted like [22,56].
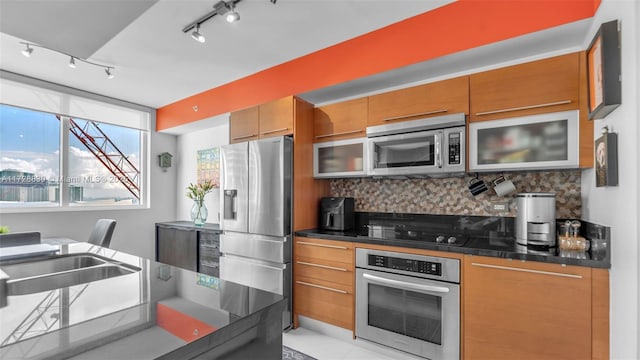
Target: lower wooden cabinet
[323,285]
[182,244]
[527,310]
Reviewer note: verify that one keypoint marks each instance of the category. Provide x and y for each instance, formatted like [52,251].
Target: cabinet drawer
[324,301]
[209,254]
[324,249]
[439,98]
[210,239]
[321,269]
[211,269]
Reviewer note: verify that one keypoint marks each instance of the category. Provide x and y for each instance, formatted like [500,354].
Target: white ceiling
[156,63]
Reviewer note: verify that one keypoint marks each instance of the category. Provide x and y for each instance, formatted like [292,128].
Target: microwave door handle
[438,150]
[405,284]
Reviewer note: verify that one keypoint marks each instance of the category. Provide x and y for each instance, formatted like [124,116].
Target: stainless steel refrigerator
[256,204]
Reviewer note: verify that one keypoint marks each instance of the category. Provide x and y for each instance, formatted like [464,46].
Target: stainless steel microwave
[433,146]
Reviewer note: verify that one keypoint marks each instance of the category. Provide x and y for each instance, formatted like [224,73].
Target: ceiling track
[219,8]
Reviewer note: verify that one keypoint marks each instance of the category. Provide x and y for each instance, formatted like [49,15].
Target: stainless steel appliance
[433,146]
[336,213]
[536,219]
[255,207]
[409,302]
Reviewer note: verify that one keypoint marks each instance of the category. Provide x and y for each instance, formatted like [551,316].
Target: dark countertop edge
[603,264]
[189,225]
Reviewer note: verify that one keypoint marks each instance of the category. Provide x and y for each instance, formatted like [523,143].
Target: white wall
[135,229]
[619,206]
[188,145]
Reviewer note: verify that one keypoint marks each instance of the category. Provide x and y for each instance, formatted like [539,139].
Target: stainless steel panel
[270,186]
[450,311]
[234,177]
[450,267]
[262,247]
[260,275]
[449,167]
[436,122]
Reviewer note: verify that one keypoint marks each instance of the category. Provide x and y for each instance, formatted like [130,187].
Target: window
[52,160]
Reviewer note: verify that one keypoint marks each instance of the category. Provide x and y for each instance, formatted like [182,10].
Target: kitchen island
[155,311]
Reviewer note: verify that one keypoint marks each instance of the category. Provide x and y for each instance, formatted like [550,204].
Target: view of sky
[30,142]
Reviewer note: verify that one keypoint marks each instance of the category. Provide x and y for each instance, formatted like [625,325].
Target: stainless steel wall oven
[409,302]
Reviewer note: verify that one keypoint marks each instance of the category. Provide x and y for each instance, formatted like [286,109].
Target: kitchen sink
[50,266]
[60,271]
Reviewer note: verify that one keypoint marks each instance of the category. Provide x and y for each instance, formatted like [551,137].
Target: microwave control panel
[454,148]
[417,266]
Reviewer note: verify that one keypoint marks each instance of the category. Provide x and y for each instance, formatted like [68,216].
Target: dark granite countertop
[484,236]
[159,311]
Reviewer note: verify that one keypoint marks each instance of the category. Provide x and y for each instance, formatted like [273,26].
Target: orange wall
[452,28]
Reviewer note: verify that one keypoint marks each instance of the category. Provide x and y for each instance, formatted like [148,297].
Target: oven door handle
[405,284]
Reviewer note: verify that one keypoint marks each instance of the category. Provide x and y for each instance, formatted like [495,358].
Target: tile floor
[325,342]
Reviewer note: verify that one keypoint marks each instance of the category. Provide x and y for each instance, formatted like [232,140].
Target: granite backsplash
[450,196]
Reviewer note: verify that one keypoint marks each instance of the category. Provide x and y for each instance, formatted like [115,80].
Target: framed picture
[603,71]
[607,159]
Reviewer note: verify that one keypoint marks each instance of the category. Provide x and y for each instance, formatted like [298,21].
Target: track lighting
[195,35]
[232,15]
[27,52]
[72,59]
[222,7]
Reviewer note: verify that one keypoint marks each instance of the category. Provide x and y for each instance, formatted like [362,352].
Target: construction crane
[101,146]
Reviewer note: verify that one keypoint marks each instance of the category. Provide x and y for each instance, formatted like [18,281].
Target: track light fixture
[232,15]
[72,59]
[27,52]
[222,7]
[195,35]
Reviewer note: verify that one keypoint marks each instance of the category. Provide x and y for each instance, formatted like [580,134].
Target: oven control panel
[410,265]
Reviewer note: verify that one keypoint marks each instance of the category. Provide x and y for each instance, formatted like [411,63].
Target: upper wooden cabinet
[546,311]
[276,117]
[243,125]
[339,121]
[543,86]
[438,98]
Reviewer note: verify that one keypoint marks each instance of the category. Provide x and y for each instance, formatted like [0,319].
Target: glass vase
[199,213]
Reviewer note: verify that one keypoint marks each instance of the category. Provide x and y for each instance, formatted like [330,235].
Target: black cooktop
[438,229]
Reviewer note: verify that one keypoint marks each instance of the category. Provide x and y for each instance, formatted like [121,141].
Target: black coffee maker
[336,213]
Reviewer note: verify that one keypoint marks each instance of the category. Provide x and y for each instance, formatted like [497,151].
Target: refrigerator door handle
[230,204]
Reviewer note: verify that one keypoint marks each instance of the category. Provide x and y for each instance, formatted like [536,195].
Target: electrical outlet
[500,206]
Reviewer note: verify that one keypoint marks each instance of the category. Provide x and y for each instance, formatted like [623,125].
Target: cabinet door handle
[573,276]
[244,137]
[321,287]
[322,245]
[523,108]
[418,114]
[321,266]
[273,131]
[338,134]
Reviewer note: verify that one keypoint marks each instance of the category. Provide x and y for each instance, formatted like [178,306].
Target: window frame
[64,204]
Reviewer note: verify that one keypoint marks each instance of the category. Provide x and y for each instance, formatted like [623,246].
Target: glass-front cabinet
[538,142]
[338,159]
